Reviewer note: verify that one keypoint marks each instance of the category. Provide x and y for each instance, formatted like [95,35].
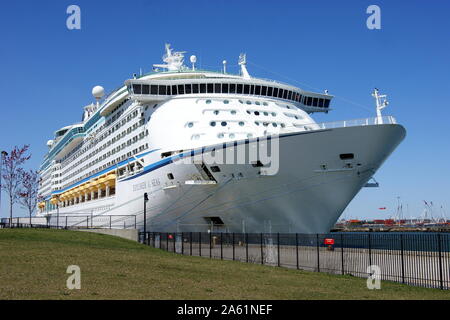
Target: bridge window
[137,88]
[327,103]
[246,89]
[264,90]
[202,87]
[188,88]
[154,89]
[315,101]
[275,92]
[162,90]
[217,88]
[174,90]
[269,91]
[210,88]
[239,88]
[258,90]
[145,89]
[225,88]
[181,89]
[320,103]
[252,89]
[195,88]
[232,88]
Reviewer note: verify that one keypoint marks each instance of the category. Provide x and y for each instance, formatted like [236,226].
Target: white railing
[357,122]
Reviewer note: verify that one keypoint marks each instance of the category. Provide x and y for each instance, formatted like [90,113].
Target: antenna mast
[381,103]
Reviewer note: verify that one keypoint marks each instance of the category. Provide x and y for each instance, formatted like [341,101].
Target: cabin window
[170,176]
[223,123]
[346,156]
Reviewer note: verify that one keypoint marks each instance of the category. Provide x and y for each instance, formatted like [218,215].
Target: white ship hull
[309,192]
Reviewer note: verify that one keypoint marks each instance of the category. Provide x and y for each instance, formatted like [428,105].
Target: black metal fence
[79,221]
[421,259]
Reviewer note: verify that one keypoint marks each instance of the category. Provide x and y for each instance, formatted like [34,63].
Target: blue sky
[48,71]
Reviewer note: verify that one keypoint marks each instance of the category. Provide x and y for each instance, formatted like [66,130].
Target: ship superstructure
[146,137]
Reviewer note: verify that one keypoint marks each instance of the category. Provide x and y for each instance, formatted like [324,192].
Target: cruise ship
[182,149]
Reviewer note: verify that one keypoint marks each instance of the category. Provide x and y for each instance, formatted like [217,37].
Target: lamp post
[145,215]
[2,159]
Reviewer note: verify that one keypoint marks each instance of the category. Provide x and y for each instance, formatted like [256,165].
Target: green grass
[33,265]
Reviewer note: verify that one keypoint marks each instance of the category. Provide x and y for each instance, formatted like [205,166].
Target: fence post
[403,264]
[110,221]
[66,222]
[342,253]
[278,248]
[87,222]
[200,244]
[190,243]
[318,252]
[296,249]
[135,225]
[262,249]
[440,262]
[210,244]
[221,246]
[246,247]
[370,249]
[182,243]
[233,244]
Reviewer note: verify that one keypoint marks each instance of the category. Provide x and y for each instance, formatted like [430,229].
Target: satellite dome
[98,92]
[49,143]
[193,59]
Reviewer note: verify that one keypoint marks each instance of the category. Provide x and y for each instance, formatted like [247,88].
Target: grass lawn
[33,265]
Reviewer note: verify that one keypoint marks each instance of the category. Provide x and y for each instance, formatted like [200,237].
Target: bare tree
[29,191]
[12,175]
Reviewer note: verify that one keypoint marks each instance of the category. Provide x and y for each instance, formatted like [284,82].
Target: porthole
[265,124]
[226,101]
[274,124]
[249,135]
[208,101]
[212,123]
[190,125]
[220,135]
[249,102]
[223,123]
[240,101]
[241,123]
[257,123]
[231,135]
[248,111]
[256,113]
[265,104]
[233,112]
[266,113]
[283,125]
[257,103]
[274,114]
[216,112]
